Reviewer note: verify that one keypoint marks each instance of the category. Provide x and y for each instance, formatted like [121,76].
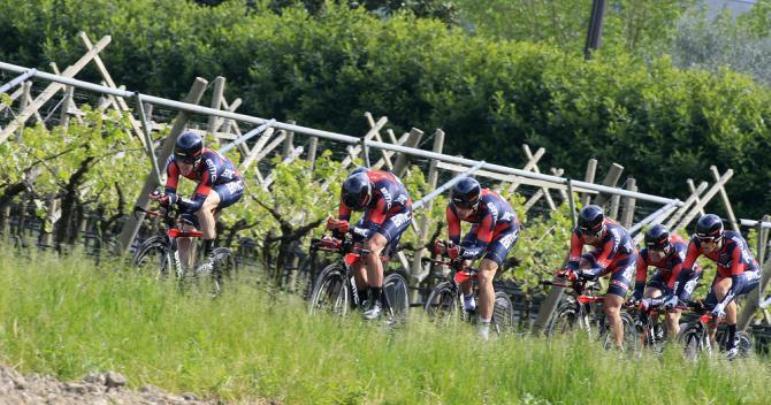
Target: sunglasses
[657,248]
[707,239]
[466,205]
[589,232]
[187,159]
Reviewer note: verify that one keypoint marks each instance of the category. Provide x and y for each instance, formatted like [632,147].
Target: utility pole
[594,34]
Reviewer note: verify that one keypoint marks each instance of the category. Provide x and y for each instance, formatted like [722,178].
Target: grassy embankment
[67,318]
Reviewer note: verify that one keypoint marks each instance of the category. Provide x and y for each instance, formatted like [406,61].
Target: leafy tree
[646,26]
[741,43]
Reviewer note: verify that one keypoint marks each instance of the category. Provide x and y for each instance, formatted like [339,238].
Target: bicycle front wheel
[331,292]
[397,294]
[152,257]
[694,340]
[443,305]
[564,321]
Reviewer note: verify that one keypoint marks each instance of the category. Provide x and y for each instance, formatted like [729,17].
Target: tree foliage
[663,123]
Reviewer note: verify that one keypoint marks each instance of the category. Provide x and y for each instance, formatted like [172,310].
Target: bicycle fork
[583,319]
[180,270]
[355,292]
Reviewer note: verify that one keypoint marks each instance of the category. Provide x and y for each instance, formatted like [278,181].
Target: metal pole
[18,80]
[750,222]
[193,108]
[667,209]
[441,189]
[245,137]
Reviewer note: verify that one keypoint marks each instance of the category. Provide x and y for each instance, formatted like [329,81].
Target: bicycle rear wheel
[223,268]
[443,305]
[503,313]
[395,290]
[331,292]
[744,342]
[631,339]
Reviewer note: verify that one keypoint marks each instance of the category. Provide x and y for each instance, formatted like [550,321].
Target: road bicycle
[694,336]
[650,329]
[444,304]
[334,289]
[582,310]
[159,254]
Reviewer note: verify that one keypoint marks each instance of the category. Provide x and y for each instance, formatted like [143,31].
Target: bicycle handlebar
[451,264]
[335,245]
[170,216]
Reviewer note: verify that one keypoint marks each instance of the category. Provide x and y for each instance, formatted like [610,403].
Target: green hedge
[662,123]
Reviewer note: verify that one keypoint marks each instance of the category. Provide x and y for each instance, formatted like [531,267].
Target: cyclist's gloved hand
[454,251]
[671,303]
[718,311]
[588,275]
[567,273]
[439,247]
[339,225]
[168,200]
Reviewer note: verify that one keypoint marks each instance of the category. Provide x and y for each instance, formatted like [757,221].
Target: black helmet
[465,193]
[356,190]
[709,227]
[590,220]
[657,238]
[188,147]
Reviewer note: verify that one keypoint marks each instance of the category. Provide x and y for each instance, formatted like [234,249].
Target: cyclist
[387,214]
[665,251]
[494,232]
[219,186]
[738,272]
[613,253]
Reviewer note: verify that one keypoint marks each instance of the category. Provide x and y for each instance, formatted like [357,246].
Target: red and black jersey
[493,216]
[610,252]
[669,266]
[211,170]
[732,259]
[389,197]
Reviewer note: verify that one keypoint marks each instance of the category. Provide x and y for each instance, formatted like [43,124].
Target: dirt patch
[97,388]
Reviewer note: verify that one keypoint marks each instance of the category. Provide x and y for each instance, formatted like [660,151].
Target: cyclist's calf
[485,277]
[612,307]
[375,246]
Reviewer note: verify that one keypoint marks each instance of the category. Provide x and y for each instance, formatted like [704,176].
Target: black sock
[376,293]
[731,336]
[362,293]
[208,246]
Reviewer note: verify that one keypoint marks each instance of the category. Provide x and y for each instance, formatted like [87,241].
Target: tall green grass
[68,317]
